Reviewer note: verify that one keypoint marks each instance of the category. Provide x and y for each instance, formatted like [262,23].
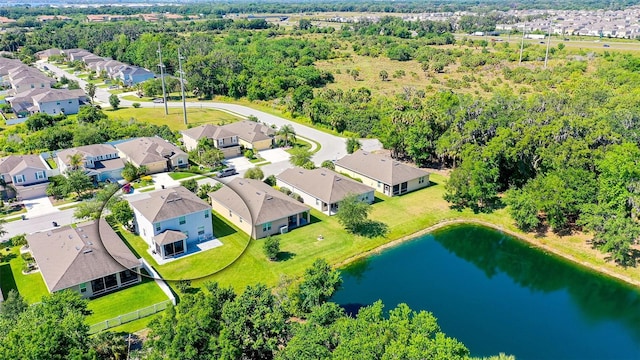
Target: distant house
[47,18]
[100,161]
[383,173]
[258,209]
[132,75]
[28,174]
[222,138]
[170,220]
[89,259]
[157,154]
[57,101]
[75,54]
[108,66]
[92,59]
[251,134]
[31,82]
[323,189]
[46,54]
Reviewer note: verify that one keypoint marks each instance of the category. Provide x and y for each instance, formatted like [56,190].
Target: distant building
[223,139]
[155,153]
[131,75]
[100,161]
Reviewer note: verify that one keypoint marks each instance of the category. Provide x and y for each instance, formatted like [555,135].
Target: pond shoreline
[521,237]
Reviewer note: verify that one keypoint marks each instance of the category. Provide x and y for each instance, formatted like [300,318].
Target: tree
[270,180]
[254,173]
[78,182]
[271,247]
[191,185]
[384,75]
[88,210]
[130,172]
[204,190]
[353,145]
[75,161]
[328,164]
[90,114]
[318,284]
[353,212]
[473,184]
[12,306]
[287,133]
[91,90]
[355,73]
[122,212]
[109,345]
[212,157]
[300,156]
[114,101]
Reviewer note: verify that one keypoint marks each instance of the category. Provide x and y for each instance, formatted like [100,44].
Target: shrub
[285,190]
[249,154]
[271,247]
[254,173]
[19,240]
[184,286]
[270,180]
[136,105]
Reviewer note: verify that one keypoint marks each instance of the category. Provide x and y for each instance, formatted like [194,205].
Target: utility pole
[546,56]
[184,100]
[164,91]
[524,30]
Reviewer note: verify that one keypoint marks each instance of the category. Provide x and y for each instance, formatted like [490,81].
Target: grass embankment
[405,217]
[175,118]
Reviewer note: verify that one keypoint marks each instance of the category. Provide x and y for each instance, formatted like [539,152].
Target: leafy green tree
[191,185]
[384,75]
[328,164]
[78,182]
[88,210]
[353,212]
[211,157]
[318,284]
[12,307]
[109,345]
[287,133]
[122,212]
[254,173]
[271,247]
[473,184]
[130,172]
[353,145]
[300,156]
[523,209]
[204,190]
[90,114]
[91,91]
[114,101]
[39,121]
[75,161]
[270,180]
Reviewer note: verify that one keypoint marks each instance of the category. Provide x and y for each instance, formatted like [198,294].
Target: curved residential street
[331,147]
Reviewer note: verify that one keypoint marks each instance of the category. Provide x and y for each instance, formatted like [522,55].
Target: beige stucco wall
[275,228]
[262,145]
[235,219]
[415,185]
[365,180]
[189,142]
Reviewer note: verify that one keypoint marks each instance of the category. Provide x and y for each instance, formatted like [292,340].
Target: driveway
[275,155]
[240,163]
[39,206]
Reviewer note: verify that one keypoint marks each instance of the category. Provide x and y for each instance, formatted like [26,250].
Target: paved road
[331,147]
[40,223]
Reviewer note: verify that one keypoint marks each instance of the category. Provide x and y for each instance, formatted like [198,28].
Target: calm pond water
[497,294]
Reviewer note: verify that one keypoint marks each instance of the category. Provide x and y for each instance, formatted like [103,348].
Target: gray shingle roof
[87,150]
[14,163]
[169,204]
[55,95]
[208,131]
[324,184]
[70,256]
[250,131]
[147,150]
[255,200]
[169,237]
[380,167]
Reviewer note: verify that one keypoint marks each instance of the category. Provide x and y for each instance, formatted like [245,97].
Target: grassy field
[175,118]
[200,264]
[124,301]
[31,287]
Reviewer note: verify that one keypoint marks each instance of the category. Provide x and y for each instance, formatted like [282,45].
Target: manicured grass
[200,264]
[179,175]
[31,287]
[136,325]
[174,120]
[125,301]
[13,211]
[52,163]
[147,189]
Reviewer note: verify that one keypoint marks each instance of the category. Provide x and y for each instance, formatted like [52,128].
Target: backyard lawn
[174,120]
[125,301]
[200,264]
[31,287]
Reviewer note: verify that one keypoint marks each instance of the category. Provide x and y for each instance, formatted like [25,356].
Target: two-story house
[28,174]
[171,220]
[156,153]
[132,75]
[100,161]
[222,138]
[57,101]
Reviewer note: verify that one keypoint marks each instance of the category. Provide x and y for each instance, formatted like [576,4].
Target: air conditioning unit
[284,229]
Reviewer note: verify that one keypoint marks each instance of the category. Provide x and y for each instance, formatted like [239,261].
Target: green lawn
[200,264]
[175,118]
[179,175]
[135,325]
[52,163]
[125,301]
[31,287]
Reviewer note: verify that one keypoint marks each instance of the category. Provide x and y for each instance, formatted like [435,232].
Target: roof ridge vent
[88,251]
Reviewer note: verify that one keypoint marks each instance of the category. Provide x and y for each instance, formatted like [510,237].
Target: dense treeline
[215,322]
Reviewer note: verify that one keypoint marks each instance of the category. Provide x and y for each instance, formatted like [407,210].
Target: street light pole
[546,55]
[184,100]
[164,91]
[524,30]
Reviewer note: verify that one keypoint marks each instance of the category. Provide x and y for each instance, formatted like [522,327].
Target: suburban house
[28,174]
[31,82]
[131,75]
[100,161]
[89,259]
[75,54]
[46,54]
[157,154]
[222,138]
[170,220]
[323,189]
[383,173]
[258,209]
[57,101]
[91,59]
[251,134]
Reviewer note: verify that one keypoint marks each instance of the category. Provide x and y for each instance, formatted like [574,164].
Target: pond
[498,294]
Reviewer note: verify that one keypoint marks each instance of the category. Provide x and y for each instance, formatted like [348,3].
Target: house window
[379,183]
[230,213]
[201,230]
[39,175]
[58,103]
[83,287]
[182,220]
[421,180]
[266,226]
[180,161]
[69,102]
[206,214]
[18,179]
[157,225]
[317,202]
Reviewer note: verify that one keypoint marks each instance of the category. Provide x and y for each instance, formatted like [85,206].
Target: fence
[125,318]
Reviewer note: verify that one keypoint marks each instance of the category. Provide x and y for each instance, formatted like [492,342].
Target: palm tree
[287,133]
[75,161]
